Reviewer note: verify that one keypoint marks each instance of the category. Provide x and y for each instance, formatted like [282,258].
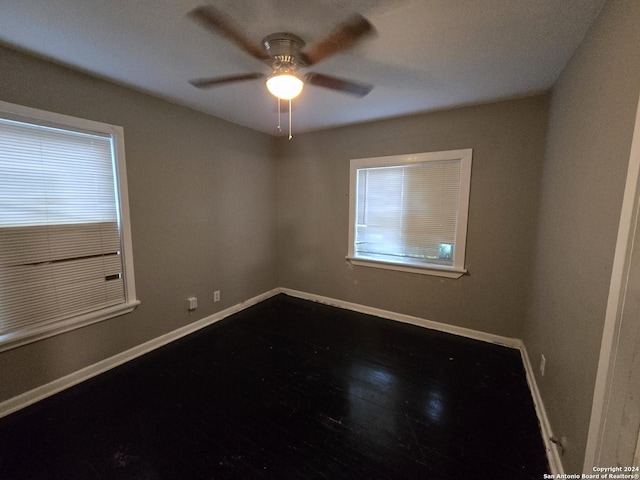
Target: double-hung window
[409,212]
[65,245]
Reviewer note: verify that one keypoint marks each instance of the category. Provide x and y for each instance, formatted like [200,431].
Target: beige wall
[590,129]
[202,195]
[313,183]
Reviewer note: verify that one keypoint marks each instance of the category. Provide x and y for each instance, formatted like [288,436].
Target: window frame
[36,116]
[456,270]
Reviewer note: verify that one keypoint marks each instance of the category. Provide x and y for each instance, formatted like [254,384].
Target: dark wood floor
[290,389]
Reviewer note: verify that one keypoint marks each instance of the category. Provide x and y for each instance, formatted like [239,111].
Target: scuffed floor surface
[290,389]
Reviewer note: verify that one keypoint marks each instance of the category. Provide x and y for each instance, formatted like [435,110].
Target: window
[409,212]
[65,245]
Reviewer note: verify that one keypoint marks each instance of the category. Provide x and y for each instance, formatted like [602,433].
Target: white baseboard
[553,455]
[32,396]
[400,317]
[28,398]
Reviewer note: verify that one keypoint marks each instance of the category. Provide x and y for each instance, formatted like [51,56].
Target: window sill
[438,271]
[23,337]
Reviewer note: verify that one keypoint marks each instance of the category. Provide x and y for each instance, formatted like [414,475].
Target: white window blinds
[409,212]
[60,236]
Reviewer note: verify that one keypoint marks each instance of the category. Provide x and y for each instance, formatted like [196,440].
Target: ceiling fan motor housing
[284,48]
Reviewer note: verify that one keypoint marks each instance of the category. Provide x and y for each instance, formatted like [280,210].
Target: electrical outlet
[192,303]
[216,296]
[543,364]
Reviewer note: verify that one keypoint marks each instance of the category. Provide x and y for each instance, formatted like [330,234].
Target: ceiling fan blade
[214,82]
[219,23]
[346,86]
[342,38]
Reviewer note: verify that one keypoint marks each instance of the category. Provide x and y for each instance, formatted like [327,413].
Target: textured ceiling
[426,54]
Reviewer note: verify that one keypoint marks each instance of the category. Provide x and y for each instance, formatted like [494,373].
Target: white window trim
[39,332]
[457,270]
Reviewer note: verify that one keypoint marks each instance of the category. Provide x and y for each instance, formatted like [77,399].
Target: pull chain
[290,136]
[279,122]
[279,126]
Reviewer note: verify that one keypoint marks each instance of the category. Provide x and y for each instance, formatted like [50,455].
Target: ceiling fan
[283,53]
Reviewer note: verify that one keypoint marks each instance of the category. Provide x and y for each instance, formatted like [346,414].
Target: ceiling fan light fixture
[284,86]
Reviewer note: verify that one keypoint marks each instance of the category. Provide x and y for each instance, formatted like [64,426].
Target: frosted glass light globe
[285,86]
